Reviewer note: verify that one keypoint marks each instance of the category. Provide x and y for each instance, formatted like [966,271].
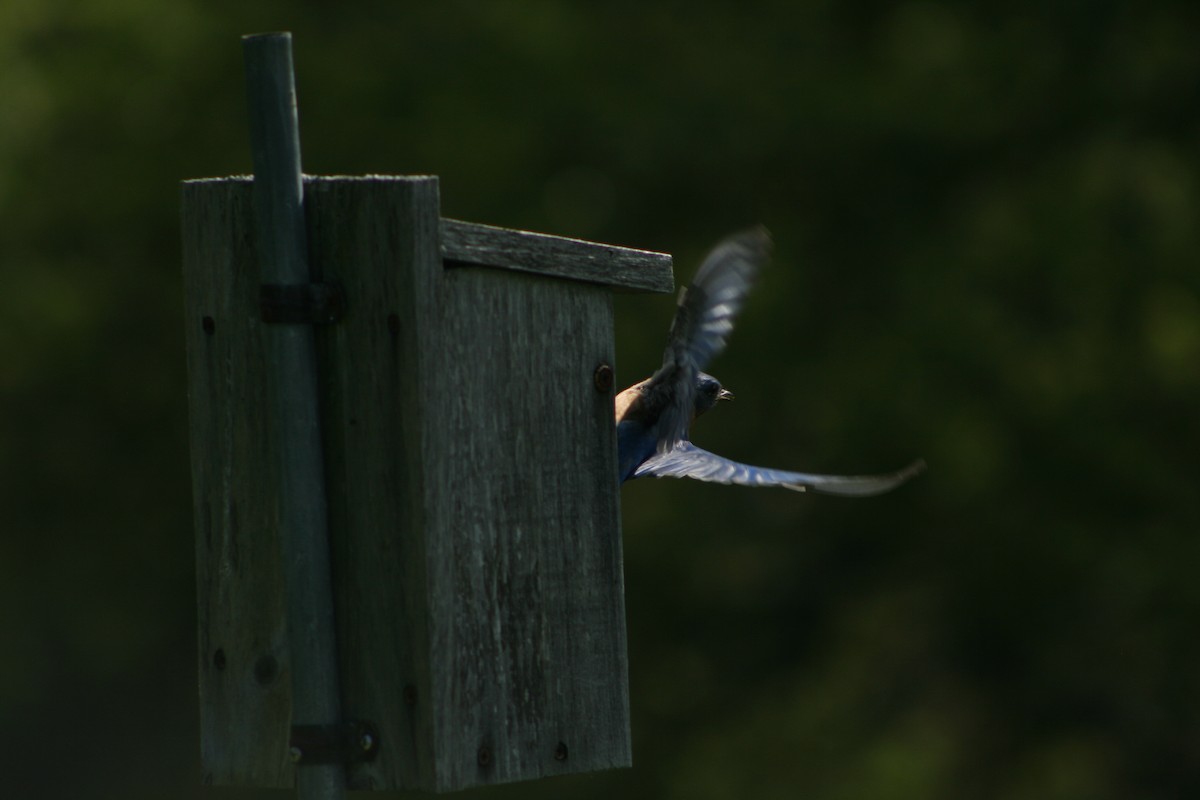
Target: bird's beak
[724,394]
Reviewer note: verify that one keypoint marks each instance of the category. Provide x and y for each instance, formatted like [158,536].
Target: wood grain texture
[377,238]
[245,698]
[472,492]
[525,549]
[620,268]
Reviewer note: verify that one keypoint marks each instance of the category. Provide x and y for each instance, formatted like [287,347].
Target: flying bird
[654,416]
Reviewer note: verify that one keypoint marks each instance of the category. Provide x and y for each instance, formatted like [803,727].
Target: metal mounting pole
[283,252]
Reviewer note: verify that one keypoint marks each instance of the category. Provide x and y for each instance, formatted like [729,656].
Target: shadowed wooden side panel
[244,688]
[528,629]
[378,239]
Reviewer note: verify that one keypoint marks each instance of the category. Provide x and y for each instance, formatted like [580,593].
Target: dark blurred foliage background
[986,225]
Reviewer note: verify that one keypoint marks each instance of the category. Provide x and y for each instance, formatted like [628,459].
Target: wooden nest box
[466,411]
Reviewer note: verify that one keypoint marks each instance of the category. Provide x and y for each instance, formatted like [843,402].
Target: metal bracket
[340,743]
[311,303]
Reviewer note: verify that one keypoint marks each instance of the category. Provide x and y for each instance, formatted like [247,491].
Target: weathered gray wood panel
[525,553]
[621,268]
[474,522]
[245,699]
[378,239]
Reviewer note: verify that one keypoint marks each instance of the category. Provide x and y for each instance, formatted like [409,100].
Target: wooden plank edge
[623,268]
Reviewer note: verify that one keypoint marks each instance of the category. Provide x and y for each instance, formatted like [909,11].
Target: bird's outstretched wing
[703,321]
[689,461]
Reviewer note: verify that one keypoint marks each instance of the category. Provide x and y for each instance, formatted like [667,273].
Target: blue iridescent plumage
[654,416]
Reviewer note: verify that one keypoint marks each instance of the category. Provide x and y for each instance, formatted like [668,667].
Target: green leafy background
[986,225]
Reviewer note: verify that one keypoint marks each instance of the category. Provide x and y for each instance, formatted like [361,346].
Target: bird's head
[708,391]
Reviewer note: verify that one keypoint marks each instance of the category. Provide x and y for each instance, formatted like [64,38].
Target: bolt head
[603,378]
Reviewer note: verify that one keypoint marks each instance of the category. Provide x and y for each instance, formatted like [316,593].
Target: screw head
[603,378]
[366,742]
[296,754]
